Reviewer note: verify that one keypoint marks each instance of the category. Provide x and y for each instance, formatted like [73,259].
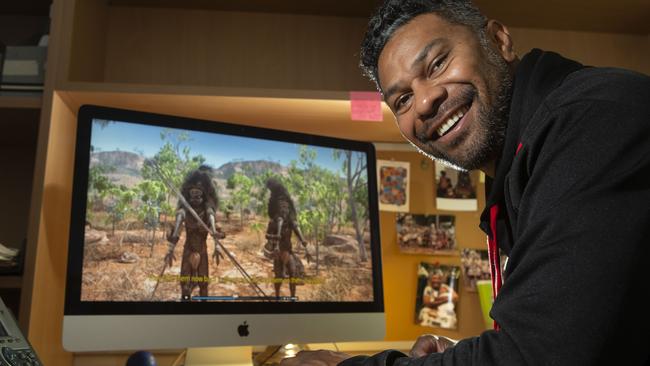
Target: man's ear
[499,35]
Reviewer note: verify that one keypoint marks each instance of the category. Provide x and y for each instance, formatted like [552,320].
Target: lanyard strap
[493,253]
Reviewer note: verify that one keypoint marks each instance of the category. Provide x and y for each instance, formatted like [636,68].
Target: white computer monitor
[131,169]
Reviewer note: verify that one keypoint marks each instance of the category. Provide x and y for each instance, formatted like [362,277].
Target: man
[198,191]
[282,225]
[445,189]
[567,148]
[464,188]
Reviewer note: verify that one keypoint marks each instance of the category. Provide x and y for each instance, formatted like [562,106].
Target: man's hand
[173,238]
[170,258]
[429,343]
[216,255]
[219,233]
[315,358]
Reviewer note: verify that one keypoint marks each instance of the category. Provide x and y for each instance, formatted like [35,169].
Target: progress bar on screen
[244,298]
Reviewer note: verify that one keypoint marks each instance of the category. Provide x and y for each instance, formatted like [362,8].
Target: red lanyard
[493,253]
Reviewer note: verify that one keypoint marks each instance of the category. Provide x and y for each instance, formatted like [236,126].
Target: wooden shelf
[357,8]
[176,89]
[9,282]
[33,101]
[318,112]
[631,15]
[26,7]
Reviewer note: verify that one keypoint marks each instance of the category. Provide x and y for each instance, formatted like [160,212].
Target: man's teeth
[451,121]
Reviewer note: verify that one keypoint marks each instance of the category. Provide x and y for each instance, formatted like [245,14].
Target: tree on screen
[99,185]
[120,205]
[241,186]
[172,162]
[153,198]
[354,168]
[312,188]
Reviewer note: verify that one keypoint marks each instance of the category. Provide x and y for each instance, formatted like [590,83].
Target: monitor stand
[240,356]
[219,356]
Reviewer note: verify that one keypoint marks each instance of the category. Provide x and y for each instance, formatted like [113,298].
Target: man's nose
[428,99]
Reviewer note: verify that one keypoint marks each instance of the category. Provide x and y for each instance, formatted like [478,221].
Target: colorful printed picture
[393,179]
[475,264]
[437,296]
[455,190]
[426,234]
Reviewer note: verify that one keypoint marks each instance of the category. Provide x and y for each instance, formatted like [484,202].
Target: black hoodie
[573,191]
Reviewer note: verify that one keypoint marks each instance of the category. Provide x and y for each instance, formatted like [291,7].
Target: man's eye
[402,101]
[437,64]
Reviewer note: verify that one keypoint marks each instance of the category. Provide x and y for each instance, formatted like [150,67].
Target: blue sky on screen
[218,149]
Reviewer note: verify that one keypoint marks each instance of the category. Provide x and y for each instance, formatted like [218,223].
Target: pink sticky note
[365,106]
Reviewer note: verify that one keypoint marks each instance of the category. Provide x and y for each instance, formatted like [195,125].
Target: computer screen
[193,233]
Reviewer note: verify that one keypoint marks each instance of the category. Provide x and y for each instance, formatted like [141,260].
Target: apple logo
[242,329]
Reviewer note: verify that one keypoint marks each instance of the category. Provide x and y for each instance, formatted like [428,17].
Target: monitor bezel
[73,303]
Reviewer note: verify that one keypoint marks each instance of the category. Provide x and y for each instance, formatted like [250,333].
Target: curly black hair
[201,178]
[395,13]
[280,202]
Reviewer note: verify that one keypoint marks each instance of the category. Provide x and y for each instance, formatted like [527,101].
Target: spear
[189,208]
[162,272]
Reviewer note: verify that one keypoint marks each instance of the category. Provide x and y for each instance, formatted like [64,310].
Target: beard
[487,139]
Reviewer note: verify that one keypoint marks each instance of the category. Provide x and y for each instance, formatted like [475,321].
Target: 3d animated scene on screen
[182,215]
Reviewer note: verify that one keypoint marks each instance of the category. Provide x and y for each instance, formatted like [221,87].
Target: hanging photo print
[437,296]
[455,190]
[393,180]
[426,234]
[475,264]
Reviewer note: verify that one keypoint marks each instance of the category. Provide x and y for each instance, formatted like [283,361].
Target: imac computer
[188,233]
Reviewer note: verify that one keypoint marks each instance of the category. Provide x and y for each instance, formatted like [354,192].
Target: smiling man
[566,148]
[448,90]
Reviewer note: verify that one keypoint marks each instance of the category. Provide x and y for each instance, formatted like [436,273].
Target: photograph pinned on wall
[475,265]
[455,190]
[393,182]
[426,234]
[437,296]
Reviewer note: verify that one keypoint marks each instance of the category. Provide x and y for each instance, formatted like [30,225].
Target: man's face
[196,197]
[436,281]
[449,93]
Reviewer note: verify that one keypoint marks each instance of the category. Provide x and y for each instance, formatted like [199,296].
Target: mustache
[464,97]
